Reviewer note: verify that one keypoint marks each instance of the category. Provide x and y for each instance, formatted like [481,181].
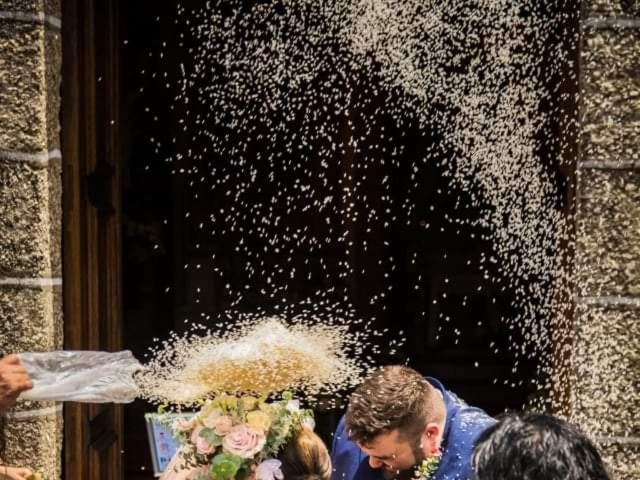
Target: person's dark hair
[535,447]
[305,457]
[394,397]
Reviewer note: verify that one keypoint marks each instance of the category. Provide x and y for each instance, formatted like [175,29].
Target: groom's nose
[375,463]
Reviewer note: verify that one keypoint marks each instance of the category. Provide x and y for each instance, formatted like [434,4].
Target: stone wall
[605,393]
[30,215]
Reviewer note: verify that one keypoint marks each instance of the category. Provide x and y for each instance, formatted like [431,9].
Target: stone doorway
[116,279]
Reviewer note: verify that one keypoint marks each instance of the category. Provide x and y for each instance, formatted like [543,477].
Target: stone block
[43,87]
[48,7]
[35,442]
[612,8]
[611,95]
[608,233]
[30,319]
[23,105]
[606,362]
[34,46]
[30,220]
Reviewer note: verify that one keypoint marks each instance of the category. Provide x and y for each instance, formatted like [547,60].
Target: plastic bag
[81,376]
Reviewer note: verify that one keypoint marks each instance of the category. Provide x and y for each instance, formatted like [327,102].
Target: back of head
[305,457]
[534,447]
[394,397]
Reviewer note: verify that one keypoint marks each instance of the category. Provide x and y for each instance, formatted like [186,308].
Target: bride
[247,438]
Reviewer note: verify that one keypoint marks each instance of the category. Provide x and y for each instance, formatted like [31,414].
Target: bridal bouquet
[239,437]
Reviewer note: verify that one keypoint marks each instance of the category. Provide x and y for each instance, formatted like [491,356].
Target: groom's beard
[395,475]
[410,472]
[403,475]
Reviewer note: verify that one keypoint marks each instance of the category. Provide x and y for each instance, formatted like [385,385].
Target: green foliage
[210,436]
[225,466]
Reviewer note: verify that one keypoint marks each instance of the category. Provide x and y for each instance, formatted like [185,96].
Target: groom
[397,421]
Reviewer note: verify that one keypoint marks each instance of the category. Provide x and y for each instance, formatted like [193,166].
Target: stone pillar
[606,360]
[30,216]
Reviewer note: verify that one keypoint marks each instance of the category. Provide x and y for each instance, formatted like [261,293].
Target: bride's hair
[305,457]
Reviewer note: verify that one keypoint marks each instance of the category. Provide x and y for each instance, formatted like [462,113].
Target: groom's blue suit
[464,424]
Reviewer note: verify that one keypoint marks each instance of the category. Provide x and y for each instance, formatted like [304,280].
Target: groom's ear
[431,439]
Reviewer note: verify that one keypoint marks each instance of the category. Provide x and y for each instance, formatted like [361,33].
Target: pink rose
[222,425]
[243,441]
[203,447]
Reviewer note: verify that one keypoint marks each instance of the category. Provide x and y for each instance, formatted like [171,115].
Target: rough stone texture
[30,220]
[23,106]
[30,319]
[609,233]
[28,442]
[55,217]
[605,396]
[30,216]
[49,7]
[611,94]
[609,8]
[53,65]
[30,67]
[607,366]
[30,197]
